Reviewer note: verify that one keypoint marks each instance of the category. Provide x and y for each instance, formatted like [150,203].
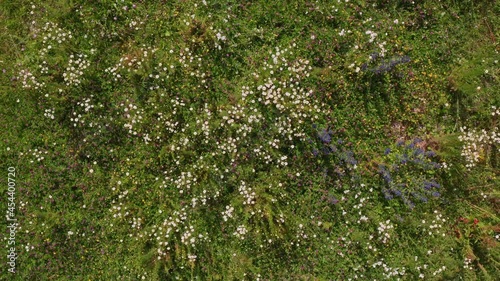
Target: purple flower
[418,151]
[405,59]
[396,192]
[332,200]
[427,185]
[374,56]
[387,195]
[325,136]
[326,150]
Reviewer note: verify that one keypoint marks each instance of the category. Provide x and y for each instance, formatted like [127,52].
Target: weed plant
[251,140]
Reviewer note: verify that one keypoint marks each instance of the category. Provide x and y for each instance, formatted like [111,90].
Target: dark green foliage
[251,140]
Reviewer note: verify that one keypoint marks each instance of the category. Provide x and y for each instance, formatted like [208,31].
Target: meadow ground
[250,140]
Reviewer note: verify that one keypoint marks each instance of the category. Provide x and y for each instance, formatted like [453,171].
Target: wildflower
[386,175]
[418,152]
[326,150]
[332,200]
[387,195]
[404,159]
[430,154]
[396,192]
[374,56]
[325,136]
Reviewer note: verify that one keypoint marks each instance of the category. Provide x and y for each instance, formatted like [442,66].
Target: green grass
[251,140]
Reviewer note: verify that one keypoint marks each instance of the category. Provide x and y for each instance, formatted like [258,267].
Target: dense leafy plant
[253,140]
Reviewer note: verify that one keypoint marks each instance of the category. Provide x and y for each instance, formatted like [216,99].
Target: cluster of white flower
[134,116]
[281,219]
[372,35]
[176,223]
[439,270]
[119,210]
[131,62]
[192,258]
[44,69]
[495,111]
[420,269]
[228,213]
[371,247]
[476,143]
[37,154]
[29,81]
[187,237]
[389,271]
[28,247]
[220,38]
[235,114]
[74,70]
[32,18]
[205,128]
[78,118]
[187,60]
[240,232]
[282,161]
[248,194]
[136,223]
[301,235]
[52,36]
[383,231]
[173,224]
[291,107]
[160,74]
[203,198]
[436,226]
[136,24]
[49,113]
[343,32]
[445,166]
[383,51]
[170,124]
[468,264]
[184,181]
